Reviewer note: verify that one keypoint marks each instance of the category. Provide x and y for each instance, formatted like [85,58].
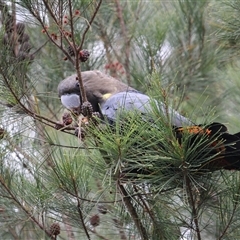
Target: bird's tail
[223,148]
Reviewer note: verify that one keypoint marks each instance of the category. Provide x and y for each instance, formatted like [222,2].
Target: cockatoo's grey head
[69,92]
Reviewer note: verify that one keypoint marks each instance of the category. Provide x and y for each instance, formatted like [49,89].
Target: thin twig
[77,49]
[14,35]
[83,96]
[48,34]
[236,203]
[97,234]
[32,114]
[29,214]
[132,211]
[194,210]
[68,227]
[13,232]
[119,226]
[79,210]
[97,201]
[126,40]
[146,207]
[89,24]
[60,5]
[46,4]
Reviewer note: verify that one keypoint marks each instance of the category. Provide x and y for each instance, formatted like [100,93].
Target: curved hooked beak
[71,101]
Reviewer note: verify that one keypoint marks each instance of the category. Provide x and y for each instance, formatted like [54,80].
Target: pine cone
[25,47]
[96,117]
[67,119]
[23,38]
[87,109]
[20,27]
[84,55]
[70,51]
[9,23]
[95,220]
[22,56]
[58,125]
[55,229]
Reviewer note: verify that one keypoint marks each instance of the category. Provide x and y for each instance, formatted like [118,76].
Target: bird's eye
[77,84]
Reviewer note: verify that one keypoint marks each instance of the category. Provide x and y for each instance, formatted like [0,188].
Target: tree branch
[127,201]
[127,41]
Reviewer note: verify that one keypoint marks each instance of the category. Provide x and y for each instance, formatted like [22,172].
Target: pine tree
[134,180]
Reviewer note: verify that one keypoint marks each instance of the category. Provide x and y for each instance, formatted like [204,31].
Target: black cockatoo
[109,96]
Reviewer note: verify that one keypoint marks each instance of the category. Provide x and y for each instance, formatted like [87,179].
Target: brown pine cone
[71,51]
[87,109]
[96,117]
[23,38]
[20,27]
[95,220]
[67,119]
[9,23]
[25,47]
[84,55]
[58,125]
[55,229]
